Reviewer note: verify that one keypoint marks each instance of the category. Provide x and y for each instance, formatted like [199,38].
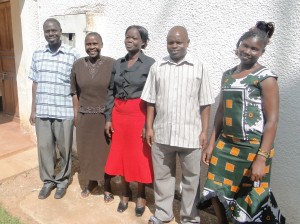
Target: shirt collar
[141,58]
[61,49]
[188,59]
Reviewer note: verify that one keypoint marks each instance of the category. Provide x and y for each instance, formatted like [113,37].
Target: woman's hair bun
[267,27]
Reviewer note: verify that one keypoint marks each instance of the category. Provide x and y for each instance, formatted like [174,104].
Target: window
[68,38]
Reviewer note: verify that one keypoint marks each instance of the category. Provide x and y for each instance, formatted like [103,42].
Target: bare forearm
[205,115]
[270,96]
[75,103]
[150,115]
[207,151]
[218,125]
[33,103]
[268,136]
[32,116]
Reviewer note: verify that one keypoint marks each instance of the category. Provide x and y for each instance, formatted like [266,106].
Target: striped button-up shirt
[51,71]
[178,90]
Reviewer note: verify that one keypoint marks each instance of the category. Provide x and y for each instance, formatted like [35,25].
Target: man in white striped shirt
[178,95]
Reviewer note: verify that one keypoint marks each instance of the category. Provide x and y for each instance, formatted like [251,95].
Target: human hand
[32,118]
[257,170]
[150,136]
[109,129]
[144,133]
[206,154]
[203,140]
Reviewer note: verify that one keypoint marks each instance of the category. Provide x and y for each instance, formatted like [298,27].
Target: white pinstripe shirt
[178,90]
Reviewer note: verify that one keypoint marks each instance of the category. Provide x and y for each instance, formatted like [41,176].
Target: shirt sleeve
[267,73]
[149,91]
[110,96]
[206,96]
[33,75]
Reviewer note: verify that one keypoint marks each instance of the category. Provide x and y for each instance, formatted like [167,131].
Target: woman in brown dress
[89,82]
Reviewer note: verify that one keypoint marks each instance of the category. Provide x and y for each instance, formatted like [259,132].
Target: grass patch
[6,218]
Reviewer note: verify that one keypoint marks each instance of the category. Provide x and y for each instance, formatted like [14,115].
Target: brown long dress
[90,82]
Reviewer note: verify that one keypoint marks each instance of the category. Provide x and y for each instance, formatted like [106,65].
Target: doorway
[8,78]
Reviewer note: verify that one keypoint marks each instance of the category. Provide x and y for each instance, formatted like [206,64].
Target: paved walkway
[17,150]
[18,162]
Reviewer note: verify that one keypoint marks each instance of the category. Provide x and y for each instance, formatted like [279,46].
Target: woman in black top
[130,156]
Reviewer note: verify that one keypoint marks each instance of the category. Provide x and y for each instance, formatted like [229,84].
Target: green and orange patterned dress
[235,150]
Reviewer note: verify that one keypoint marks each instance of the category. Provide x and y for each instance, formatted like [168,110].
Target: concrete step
[13,138]
[17,162]
[17,149]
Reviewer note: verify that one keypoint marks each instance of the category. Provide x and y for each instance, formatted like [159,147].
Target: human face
[133,41]
[250,50]
[52,33]
[177,44]
[93,46]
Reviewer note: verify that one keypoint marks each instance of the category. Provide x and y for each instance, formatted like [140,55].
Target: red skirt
[129,155]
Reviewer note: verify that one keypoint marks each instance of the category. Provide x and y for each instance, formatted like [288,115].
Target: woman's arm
[270,99]
[74,94]
[75,107]
[110,104]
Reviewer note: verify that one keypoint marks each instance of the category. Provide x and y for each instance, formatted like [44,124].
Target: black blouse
[127,83]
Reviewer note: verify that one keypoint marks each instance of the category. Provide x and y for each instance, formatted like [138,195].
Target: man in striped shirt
[52,109]
[178,95]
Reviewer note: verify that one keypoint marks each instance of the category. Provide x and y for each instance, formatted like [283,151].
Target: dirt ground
[15,189]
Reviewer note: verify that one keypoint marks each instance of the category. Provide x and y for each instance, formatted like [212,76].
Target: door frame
[10,105]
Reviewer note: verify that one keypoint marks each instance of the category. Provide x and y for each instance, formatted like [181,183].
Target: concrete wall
[214,28]
[25,25]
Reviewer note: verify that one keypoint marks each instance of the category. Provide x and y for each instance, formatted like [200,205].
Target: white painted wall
[214,28]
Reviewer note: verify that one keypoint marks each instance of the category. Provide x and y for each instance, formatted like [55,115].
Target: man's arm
[149,123]
[33,104]
[205,115]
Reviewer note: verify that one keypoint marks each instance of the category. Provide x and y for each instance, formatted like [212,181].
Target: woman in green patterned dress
[240,149]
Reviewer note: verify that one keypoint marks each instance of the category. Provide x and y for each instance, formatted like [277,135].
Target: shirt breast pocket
[193,86]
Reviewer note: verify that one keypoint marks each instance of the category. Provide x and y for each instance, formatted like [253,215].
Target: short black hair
[262,30]
[94,34]
[53,21]
[143,33]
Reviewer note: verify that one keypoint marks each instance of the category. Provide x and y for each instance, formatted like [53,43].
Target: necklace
[93,67]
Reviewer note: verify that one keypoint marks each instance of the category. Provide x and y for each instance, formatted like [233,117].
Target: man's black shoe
[46,190]
[60,192]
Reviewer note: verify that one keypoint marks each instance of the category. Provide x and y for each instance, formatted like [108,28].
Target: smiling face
[52,32]
[93,46]
[177,43]
[133,41]
[250,50]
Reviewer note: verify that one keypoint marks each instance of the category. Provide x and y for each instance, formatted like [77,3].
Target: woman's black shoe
[122,207]
[139,211]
